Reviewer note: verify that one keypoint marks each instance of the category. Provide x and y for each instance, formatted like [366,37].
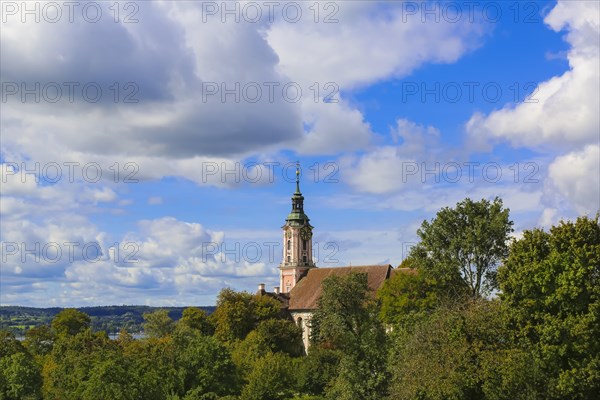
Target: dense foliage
[463,246]
[428,333]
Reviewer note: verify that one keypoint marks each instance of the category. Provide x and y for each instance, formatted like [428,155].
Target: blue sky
[429,105]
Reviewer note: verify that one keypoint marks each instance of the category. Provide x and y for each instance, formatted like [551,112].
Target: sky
[148,148]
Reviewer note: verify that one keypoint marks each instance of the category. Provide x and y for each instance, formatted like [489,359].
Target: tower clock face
[305,233]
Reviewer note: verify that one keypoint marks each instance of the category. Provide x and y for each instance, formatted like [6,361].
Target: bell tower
[297,242]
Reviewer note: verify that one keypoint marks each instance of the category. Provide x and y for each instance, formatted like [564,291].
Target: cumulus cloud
[174,63]
[563,120]
[47,234]
[164,71]
[575,176]
[333,128]
[370,42]
[167,257]
[564,113]
[386,169]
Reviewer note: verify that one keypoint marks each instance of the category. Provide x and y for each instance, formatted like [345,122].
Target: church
[299,278]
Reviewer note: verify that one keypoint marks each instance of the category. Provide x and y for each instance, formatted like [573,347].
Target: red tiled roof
[306,293]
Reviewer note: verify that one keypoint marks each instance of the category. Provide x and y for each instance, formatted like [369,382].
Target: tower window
[289,258]
[289,244]
[304,245]
[304,259]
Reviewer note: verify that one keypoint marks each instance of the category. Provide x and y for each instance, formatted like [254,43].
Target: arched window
[289,244]
[289,259]
[304,244]
[300,325]
[304,259]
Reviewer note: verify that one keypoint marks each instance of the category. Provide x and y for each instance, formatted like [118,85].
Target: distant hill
[110,319]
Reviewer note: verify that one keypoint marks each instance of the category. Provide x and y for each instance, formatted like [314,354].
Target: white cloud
[564,122]
[549,217]
[103,195]
[333,128]
[564,111]
[47,234]
[169,55]
[386,169]
[372,41]
[576,176]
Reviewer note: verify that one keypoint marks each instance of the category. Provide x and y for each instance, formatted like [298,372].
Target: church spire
[297,242]
[298,177]
[297,216]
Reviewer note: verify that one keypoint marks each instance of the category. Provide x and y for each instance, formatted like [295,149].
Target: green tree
[318,369]
[272,378]
[461,351]
[109,378]
[153,367]
[205,365]
[9,345]
[462,247]
[238,313]
[70,322]
[196,318]
[158,324]
[551,284]
[280,336]
[20,377]
[69,366]
[346,319]
[39,340]
[407,292]
[272,335]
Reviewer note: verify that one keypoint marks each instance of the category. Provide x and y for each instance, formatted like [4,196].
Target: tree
[272,335]
[68,368]
[551,284]
[19,375]
[346,319]
[238,313]
[318,369]
[39,340]
[272,378]
[462,351]
[205,365]
[19,378]
[9,345]
[158,324]
[153,367]
[109,379]
[407,292]
[279,335]
[196,318]
[70,322]
[462,247]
